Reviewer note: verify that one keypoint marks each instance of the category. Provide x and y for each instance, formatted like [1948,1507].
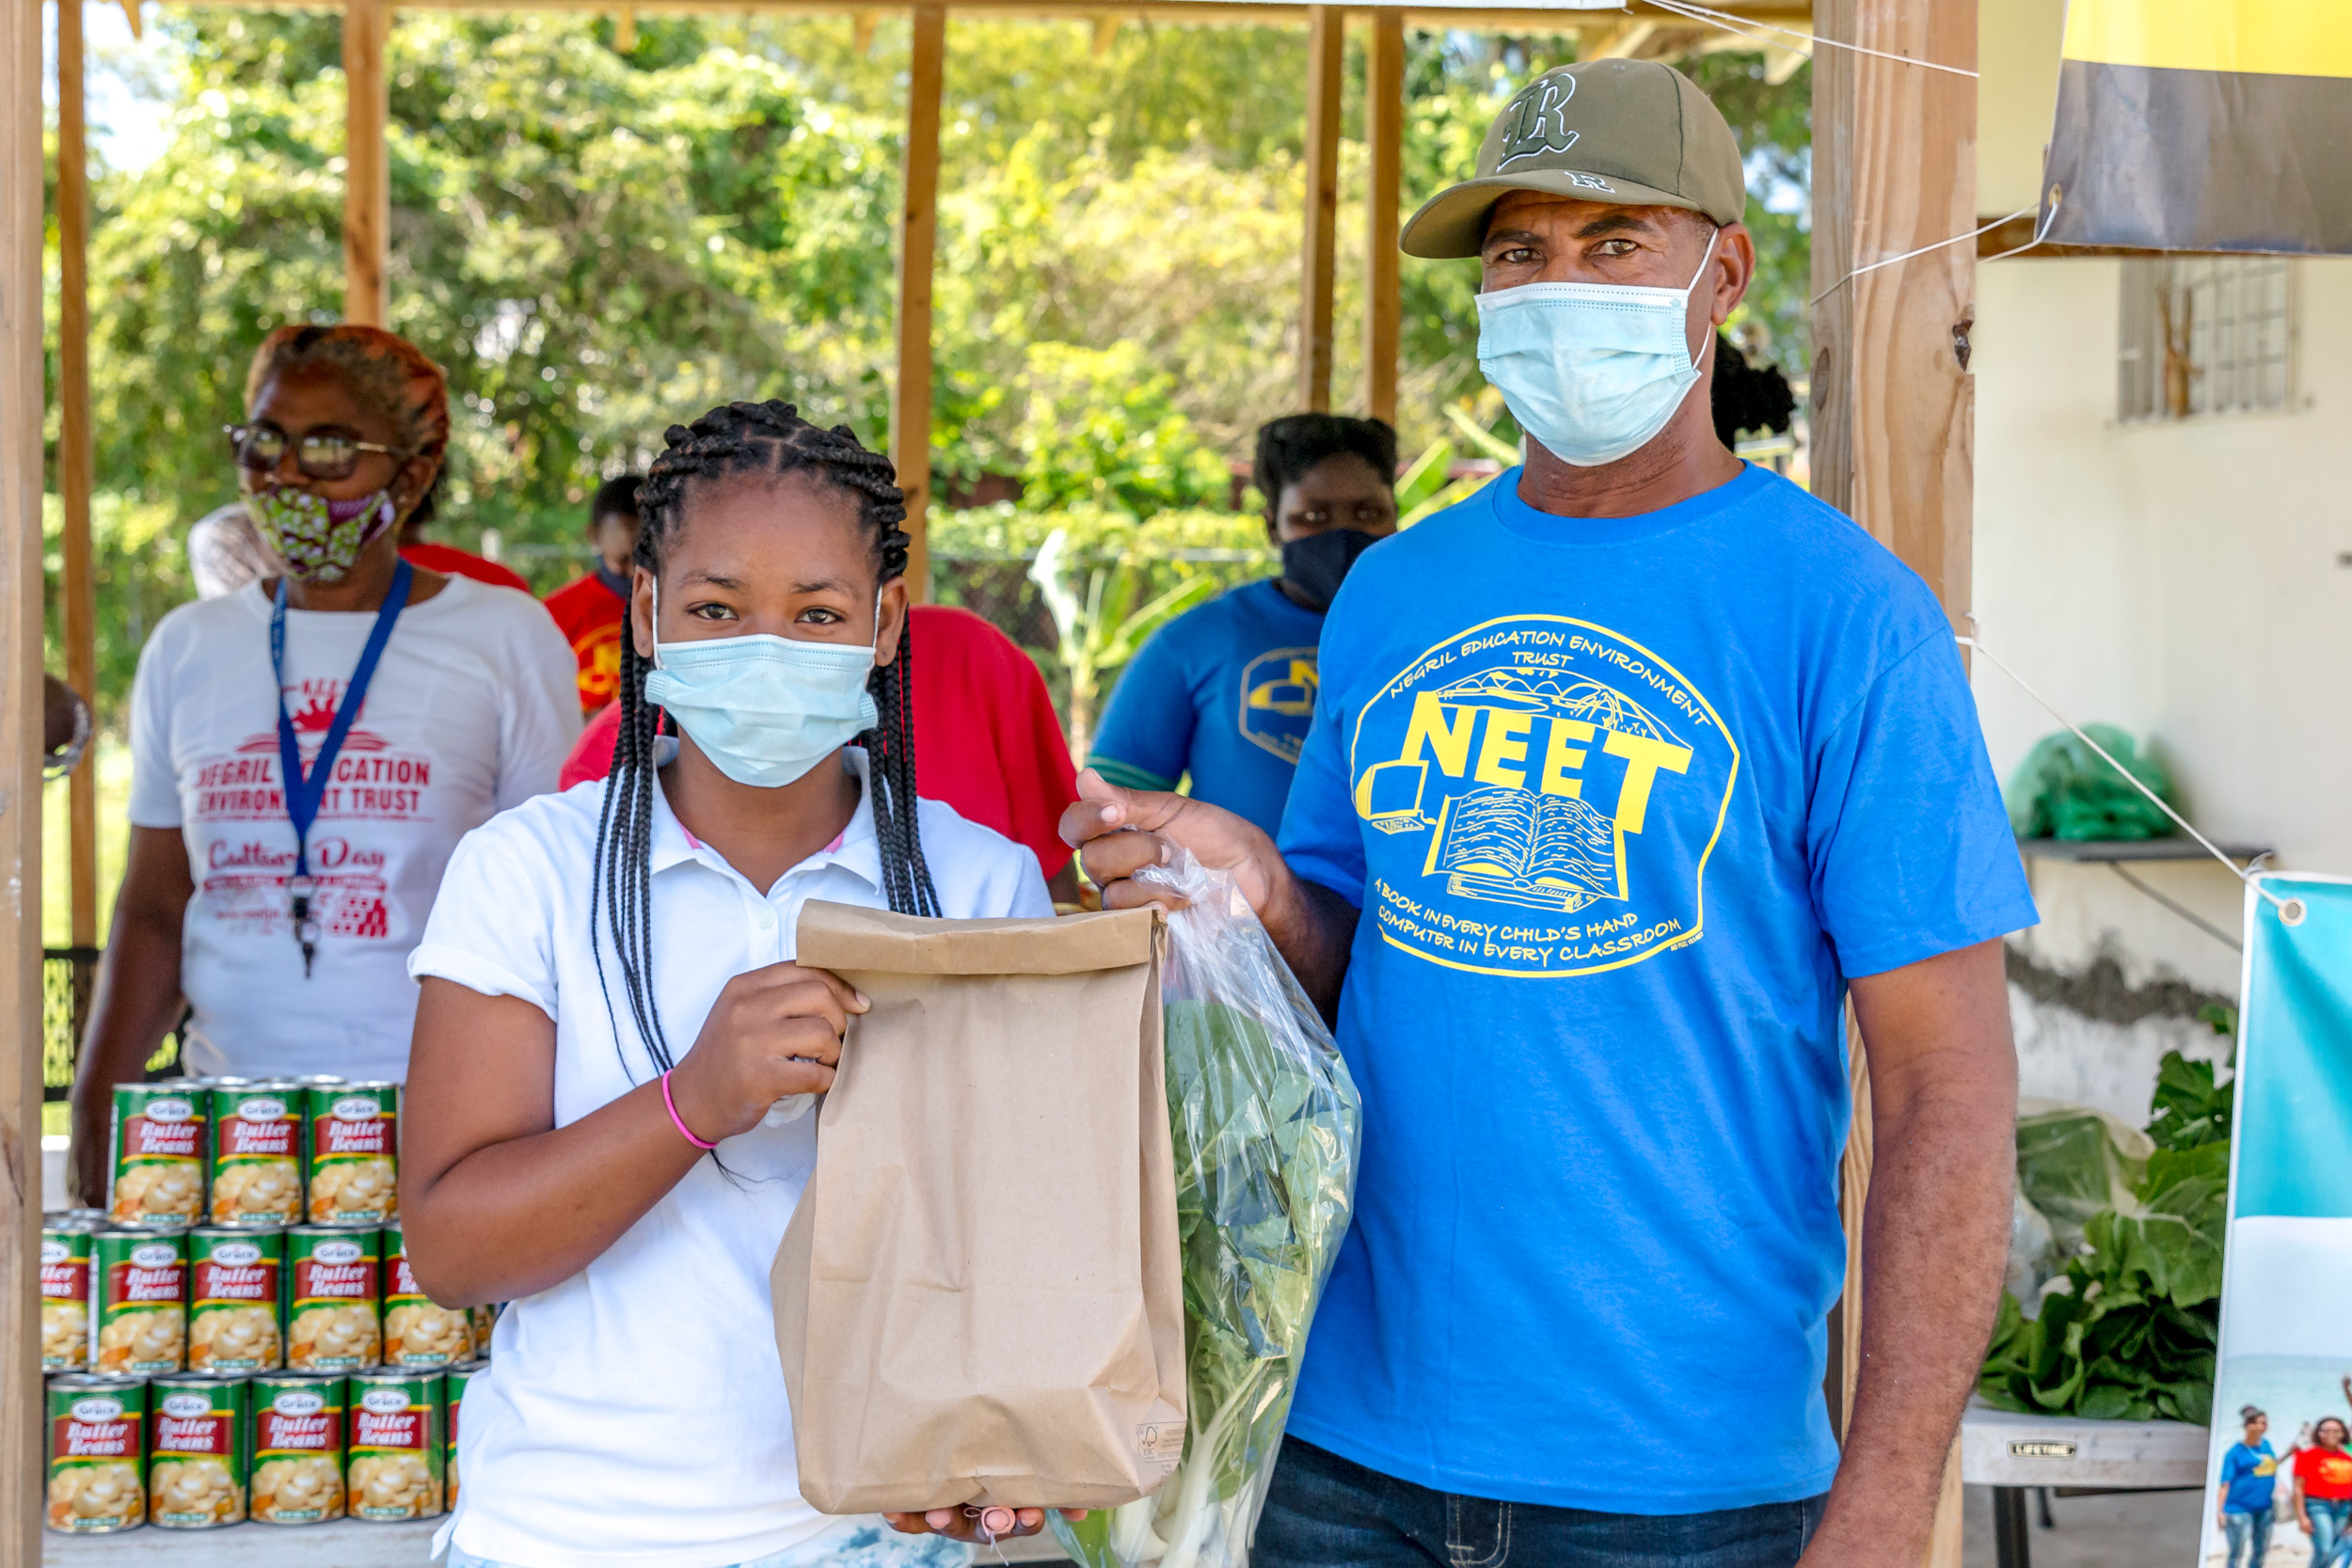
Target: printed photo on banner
[2279,1479]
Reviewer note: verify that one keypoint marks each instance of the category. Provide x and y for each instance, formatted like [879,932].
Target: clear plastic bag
[1266,1127]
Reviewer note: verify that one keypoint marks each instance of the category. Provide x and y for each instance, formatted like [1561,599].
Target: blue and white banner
[2280,1487]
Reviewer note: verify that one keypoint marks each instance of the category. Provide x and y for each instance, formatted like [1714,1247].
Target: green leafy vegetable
[1266,1120]
[2129,1332]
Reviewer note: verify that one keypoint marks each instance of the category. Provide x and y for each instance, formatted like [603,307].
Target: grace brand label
[96,1464]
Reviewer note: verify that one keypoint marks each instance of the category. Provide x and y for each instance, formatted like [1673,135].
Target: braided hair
[767,438]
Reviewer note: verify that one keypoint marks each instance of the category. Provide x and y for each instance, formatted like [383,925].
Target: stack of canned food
[238,1333]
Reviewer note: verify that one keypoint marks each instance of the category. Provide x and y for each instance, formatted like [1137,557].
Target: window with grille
[2204,335]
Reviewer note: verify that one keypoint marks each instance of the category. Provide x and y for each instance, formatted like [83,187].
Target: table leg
[2012,1546]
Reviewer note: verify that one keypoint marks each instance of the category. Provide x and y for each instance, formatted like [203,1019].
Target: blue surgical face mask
[1593,371]
[764,710]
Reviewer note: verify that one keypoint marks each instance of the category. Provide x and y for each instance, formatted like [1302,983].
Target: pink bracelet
[679,1121]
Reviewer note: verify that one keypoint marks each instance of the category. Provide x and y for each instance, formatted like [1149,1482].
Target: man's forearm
[1312,929]
[1934,1247]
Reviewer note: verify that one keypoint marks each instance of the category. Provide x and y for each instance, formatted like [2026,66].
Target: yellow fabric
[2277,38]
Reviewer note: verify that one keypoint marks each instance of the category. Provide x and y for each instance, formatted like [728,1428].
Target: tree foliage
[597,244]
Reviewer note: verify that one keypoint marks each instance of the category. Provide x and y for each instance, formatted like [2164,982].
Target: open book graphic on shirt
[1518,846]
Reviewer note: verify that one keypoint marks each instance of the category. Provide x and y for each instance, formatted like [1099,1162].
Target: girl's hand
[773,1032]
[976,1523]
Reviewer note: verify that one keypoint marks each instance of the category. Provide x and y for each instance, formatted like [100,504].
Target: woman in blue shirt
[1224,692]
[2250,1483]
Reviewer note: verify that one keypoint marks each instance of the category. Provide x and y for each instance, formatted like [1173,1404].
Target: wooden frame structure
[1892,403]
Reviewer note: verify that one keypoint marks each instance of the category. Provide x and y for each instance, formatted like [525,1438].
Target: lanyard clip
[306,929]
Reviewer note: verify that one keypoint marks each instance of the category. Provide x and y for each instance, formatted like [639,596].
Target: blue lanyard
[303,791]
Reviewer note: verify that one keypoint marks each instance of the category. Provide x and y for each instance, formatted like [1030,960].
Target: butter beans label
[158,1174]
[256,1156]
[140,1284]
[233,1300]
[95,1458]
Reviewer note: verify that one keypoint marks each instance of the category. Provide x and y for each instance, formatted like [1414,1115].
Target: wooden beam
[366,173]
[22,1440]
[1515,19]
[624,30]
[1105,34]
[1384,129]
[75,459]
[862,26]
[1326,45]
[1893,405]
[918,233]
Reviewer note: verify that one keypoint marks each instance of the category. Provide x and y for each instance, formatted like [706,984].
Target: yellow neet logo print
[1542,795]
[1278,699]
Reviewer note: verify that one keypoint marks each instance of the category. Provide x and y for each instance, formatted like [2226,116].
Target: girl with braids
[615,1050]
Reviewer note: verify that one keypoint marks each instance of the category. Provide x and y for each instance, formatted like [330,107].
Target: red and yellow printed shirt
[2326,1473]
[590,613]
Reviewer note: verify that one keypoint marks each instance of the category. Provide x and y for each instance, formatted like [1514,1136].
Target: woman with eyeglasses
[308,749]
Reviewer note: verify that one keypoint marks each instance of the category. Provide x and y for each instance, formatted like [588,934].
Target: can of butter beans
[199,1439]
[235,1298]
[297,1447]
[65,1247]
[97,1453]
[139,1283]
[332,1280]
[417,1331]
[256,1153]
[354,1139]
[155,1176]
[455,1382]
[395,1453]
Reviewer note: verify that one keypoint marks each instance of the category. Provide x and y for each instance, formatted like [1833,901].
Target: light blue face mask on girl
[765,709]
[1593,371]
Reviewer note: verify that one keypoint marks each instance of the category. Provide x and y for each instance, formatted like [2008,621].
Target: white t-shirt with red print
[473,709]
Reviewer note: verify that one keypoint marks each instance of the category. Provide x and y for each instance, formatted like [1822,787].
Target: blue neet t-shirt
[2249,1478]
[1223,692]
[1623,801]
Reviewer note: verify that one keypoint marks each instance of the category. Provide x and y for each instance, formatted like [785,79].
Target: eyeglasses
[319,453]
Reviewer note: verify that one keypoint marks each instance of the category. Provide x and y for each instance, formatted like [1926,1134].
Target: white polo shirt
[635,1414]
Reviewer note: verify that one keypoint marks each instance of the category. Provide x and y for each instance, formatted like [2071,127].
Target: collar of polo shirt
[857,850]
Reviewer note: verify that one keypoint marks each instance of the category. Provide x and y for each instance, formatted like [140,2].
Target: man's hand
[1119,831]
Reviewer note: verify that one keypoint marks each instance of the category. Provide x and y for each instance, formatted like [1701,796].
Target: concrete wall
[2180,579]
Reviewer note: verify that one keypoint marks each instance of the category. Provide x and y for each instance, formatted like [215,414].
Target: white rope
[1749,27]
[2041,231]
[1956,239]
[2290,909]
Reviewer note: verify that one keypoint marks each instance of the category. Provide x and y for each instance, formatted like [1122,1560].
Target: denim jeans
[2249,1537]
[2331,1544]
[1325,1512]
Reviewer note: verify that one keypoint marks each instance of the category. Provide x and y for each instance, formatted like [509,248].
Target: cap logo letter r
[1540,121]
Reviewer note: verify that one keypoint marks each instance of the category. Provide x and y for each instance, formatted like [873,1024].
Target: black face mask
[1315,564]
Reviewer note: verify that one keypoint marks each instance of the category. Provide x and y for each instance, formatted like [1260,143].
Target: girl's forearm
[516,1217]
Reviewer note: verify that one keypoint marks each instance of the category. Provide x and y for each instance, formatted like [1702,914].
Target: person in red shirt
[2323,1494]
[415,549]
[987,739]
[591,611]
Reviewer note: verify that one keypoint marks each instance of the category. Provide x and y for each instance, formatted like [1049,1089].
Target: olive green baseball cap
[1636,133]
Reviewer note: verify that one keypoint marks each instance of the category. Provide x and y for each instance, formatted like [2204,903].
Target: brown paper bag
[980,1298]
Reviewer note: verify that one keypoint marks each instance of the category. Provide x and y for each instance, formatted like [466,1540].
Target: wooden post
[21,1441]
[1384,131]
[366,172]
[1893,409]
[918,232]
[75,479]
[1326,44]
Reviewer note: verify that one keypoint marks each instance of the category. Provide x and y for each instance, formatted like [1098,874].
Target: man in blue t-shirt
[1223,694]
[1626,775]
[2249,1489]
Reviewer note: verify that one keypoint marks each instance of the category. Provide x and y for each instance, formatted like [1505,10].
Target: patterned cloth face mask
[319,540]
